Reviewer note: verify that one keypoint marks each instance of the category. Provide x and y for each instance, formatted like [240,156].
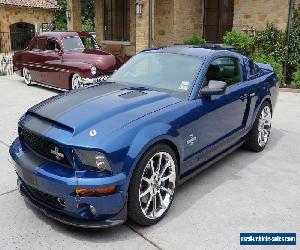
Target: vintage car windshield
[172,73]
[77,43]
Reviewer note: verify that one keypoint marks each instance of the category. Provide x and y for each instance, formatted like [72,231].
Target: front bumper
[57,183]
[118,219]
[94,80]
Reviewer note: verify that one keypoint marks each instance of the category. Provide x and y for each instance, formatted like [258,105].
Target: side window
[52,45]
[254,69]
[226,69]
[38,44]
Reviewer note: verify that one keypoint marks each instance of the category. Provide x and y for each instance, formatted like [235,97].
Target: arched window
[20,34]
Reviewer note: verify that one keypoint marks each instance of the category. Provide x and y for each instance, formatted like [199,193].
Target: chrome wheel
[264,126]
[26,76]
[157,185]
[76,82]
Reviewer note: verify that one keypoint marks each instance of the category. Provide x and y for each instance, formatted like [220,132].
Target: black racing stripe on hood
[70,99]
[40,121]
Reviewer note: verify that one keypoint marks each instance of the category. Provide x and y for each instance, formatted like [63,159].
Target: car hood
[104,61]
[105,108]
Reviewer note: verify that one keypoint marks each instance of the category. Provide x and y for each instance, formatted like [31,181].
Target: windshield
[172,73]
[72,43]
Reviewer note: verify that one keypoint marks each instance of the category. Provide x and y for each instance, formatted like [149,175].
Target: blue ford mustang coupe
[95,156]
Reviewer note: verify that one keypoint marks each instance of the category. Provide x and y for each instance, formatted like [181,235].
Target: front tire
[76,82]
[27,76]
[153,185]
[260,132]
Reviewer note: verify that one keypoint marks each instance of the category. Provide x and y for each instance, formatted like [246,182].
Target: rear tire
[259,135]
[153,185]
[27,76]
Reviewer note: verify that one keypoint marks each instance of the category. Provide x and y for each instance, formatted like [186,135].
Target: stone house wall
[12,15]
[256,13]
[175,21]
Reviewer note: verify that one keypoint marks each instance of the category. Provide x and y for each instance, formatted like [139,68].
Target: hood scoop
[132,94]
[42,121]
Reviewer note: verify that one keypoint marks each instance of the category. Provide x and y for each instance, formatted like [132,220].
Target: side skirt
[209,163]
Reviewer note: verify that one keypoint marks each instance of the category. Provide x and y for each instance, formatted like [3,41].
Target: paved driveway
[245,192]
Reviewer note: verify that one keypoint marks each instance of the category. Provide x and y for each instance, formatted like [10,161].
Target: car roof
[64,34]
[192,50]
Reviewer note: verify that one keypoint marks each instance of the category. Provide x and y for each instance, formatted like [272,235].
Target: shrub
[195,40]
[296,78]
[262,58]
[271,42]
[239,40]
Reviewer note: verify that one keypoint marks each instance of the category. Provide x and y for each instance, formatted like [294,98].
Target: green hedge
[296,78]
[262,58]
[271,42]
[239,40]
[195,40]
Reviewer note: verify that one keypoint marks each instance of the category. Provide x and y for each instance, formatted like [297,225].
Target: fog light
[93,210]
[94,192]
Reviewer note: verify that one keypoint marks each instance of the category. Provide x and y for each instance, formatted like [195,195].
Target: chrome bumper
[98,79]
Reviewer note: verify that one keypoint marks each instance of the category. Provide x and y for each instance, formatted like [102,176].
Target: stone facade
[256,13]
[175,21]
[13,15]
[188,19]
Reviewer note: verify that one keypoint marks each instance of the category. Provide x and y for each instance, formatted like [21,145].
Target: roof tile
[43,4]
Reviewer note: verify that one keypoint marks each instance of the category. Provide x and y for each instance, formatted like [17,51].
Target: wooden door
[218,19]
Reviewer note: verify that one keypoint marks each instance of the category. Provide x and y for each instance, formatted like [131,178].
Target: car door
[220,119]
[34,59]
[51,63]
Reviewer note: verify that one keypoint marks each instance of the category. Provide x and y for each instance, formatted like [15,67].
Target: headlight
[93,160]
[93,70]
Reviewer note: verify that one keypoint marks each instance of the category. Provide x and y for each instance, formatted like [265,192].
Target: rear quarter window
[254,69]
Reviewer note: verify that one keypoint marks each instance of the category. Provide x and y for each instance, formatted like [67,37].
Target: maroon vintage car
[64,60]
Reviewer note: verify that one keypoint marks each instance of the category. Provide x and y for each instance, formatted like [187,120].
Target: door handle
[243,97]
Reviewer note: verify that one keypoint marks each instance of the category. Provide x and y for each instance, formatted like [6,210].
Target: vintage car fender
[81,68]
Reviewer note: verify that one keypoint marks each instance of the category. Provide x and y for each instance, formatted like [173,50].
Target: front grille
[43,147]
[47,198]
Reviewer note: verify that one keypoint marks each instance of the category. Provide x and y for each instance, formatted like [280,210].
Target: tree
[87,15]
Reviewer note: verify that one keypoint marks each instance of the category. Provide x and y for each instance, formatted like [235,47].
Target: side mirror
[214,88]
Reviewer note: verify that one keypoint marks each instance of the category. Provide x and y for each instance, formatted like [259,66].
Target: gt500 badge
[192,140]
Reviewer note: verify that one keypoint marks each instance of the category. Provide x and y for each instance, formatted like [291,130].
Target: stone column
[5,38]
[74,24]
[188,19]
[99,20]
[142,28]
